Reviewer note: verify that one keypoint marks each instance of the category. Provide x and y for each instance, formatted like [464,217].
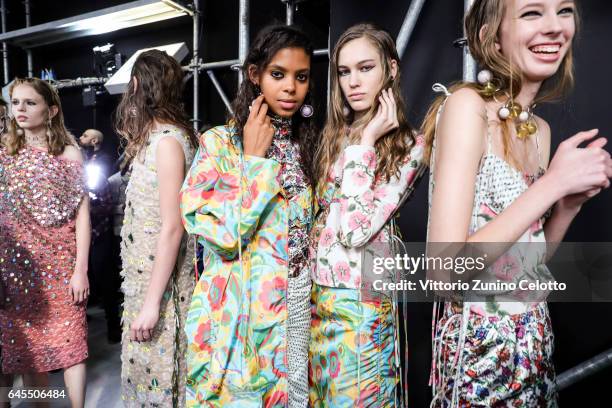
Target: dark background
[582,330]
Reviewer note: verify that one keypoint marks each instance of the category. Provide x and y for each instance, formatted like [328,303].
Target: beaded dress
[42,330]
[153,373]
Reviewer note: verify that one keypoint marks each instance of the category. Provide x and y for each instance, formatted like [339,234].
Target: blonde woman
[489,184]
[368,156]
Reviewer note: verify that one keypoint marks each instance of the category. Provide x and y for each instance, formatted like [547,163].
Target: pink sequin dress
[41,329]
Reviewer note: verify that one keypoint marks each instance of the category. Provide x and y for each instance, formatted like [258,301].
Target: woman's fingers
[255,107]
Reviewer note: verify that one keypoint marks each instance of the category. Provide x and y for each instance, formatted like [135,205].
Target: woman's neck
[36,137]
[529,91]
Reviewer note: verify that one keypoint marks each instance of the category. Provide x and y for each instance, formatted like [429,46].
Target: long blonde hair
[393,148]
[490,14]
[58,136]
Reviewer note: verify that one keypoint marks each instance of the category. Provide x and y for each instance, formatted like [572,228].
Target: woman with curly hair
[157,281]
[248,199]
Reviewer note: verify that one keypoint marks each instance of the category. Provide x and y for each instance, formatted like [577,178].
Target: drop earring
[48,132]
[133,112]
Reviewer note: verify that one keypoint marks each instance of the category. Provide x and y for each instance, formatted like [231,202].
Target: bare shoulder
[467,100]
[464,119]
[72,153]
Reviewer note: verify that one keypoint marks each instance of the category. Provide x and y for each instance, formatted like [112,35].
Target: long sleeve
[366,206]
[210,197]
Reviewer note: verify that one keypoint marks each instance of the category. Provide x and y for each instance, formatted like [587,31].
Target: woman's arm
[364,207]
[460,145]
[210,197]
[79,283]
[170,161]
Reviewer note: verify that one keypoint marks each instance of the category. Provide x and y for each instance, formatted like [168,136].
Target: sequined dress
[153,373]
[42,329]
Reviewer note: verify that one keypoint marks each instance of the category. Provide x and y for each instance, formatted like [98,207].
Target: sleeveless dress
[42,330]
[496,351]
[153,373]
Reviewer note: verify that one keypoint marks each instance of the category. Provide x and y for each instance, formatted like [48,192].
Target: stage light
[138,15]
[94,175]
[114,18]
[118,82]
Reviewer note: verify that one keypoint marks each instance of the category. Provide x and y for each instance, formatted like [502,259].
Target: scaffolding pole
[584,369]
[412,15]
[290,6]
[469,64]
[29,50]
[195,62]
[4,45]
[220,91]
[243,34]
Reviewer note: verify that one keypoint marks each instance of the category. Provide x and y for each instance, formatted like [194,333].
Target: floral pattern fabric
[352,352]
[238,325]
[496,350]
[356,207]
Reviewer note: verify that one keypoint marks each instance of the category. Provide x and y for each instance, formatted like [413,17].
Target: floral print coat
[237,323]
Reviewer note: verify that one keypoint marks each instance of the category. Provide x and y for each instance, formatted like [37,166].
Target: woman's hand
[581,171]
[258,130]
[383,122]
[573,202]
[78,289]
[142,327]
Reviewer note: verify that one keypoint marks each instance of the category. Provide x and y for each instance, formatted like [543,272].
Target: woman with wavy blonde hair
[44,243]
[368,157]
[157,282]
[489,184]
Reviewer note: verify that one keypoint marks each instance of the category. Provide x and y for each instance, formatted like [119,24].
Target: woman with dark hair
[44,243]
[248,199]
[157,283]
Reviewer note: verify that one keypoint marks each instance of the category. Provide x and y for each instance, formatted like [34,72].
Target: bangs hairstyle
[58,137]
[490,14]
[393,148]
[157,95]
[268,42]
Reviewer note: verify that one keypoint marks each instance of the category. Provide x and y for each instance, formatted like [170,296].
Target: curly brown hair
[267,43]
[154,93]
